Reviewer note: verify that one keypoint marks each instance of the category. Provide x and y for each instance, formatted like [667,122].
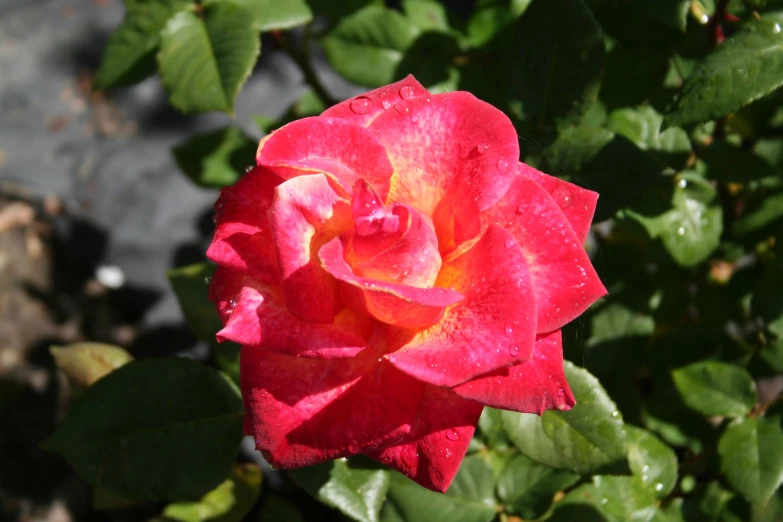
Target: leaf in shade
[368,46]
[528,488]
[155,429]
[217,158]
[558,61]
[129,56]
[190,284]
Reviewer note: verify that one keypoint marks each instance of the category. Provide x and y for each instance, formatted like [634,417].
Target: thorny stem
[301,56]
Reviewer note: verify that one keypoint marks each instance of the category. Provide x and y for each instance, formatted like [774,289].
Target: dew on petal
[361,105]
[513,351]
[522,208]
[407,92]
[248,168]
[482,148]
[509,243]
[386,103]
[452,435]
[414,118]
[503,165]
[563,196]
[403,108]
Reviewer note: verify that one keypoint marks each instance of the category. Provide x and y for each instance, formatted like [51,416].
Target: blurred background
[107,180]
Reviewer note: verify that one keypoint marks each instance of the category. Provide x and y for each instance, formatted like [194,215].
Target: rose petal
[492,328]
[450,142]
[305,411]
[363,109]
[345,150]
[433,451]
[397,245]
[577,204]
[243,238]
[534,386]
[456,220]
[306,213]
[564,279]
[255,315]
[392,303]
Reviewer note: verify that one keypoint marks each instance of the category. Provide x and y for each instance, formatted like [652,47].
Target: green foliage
[204,60]
[586,439]
[137,430]
[716,388]
[217,158]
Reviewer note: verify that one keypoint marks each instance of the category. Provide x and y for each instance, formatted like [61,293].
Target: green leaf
[711,503]
[767,299]
[279,509]
[768,212]
[190,284]
[85,363]
[129,56]
[217,158]
[772,354]
[368,46]
[356,491]
[744,68]
[229,502]
[586,439]
[491,430]
[691,230]
[427,15]
[652,461]
[528,488]
[751,453]
[269,15]
[204,60]
[599,160]
[156,429]
[643,127]
[673,13]
[716,388]
[727,162]
[467,500]
[558,61]
[491,17]
[609,499]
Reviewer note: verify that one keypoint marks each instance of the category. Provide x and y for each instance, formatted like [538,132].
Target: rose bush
[389,268]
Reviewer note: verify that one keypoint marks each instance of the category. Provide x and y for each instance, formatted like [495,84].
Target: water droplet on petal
[509,330]
[560,392]
[248,168]
[452,435]
[361,105]
[513,351]
[509,243]
[482,148]
[522,208]
[414,118]
[232,303]
[562,195]
[503,165]
[386,104]
[403,108]
[407,92]
[353,447]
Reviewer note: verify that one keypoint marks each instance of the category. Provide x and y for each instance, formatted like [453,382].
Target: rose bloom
[390,268]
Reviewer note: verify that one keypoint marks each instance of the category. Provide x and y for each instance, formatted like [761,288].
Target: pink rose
[390,268]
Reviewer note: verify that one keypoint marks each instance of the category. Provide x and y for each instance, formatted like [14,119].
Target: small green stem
[302,58]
